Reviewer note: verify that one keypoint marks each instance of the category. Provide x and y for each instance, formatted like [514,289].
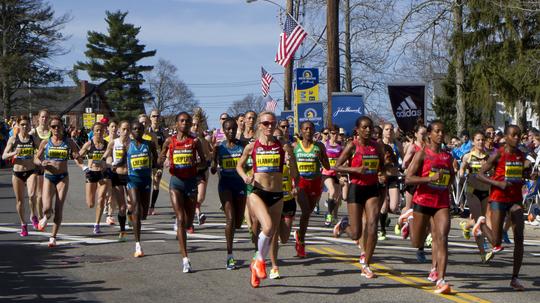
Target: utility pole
[332,66]
[287,91]
[459,59]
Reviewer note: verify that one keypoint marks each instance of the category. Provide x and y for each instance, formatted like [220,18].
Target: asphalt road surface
[88,268]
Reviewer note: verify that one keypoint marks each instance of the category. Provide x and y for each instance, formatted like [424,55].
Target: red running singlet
[369,157]
[434,194]
[268,158]
[182,157]
[510,169]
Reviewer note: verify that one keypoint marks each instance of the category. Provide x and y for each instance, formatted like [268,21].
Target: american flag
[271,105]
[266,79]
[289,41]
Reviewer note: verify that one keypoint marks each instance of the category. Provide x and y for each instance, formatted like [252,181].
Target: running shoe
[317,209]
[186,266]
[151,211]
[362,259]
[255,281]
[259,266]
[476,231]
[190,229]
[341,226]
[381,236]
[122,236]
[442,287]
[274,274]
[397,229]
[405,216]
[497,249]
[24,230]
[366,272]
[196,218]
[328,220]
[42,223]
[300,247]
[35,222]
[202,219]
[429,241]
[97,229]
[175,226]
[505,238]
[486,244]
[52,242]
[516,284]
[433,276]
[405,231]
[110,220]
[465,229]
[138,252]
[421,256]
[487,257]
[231,263]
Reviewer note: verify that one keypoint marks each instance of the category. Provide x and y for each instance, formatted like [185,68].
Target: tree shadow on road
[32,273]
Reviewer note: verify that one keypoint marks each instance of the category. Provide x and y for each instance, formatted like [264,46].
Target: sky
[218,46]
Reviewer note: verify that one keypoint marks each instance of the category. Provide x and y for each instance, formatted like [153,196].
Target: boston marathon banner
[407,102]
[289,116]
[312,111]
[307,85]
[346,108]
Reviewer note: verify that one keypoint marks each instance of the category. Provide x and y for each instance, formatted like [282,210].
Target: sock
[137,246]
[229,256]
[382,221]
[331,205]
[185,260]
[264,245]
[122,222]
[155,194]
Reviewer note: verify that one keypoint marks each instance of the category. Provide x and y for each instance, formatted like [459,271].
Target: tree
[249,102]
[30,34]
[170,95]
[113,57]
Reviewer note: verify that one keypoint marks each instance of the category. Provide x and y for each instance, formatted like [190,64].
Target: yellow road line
[397,276]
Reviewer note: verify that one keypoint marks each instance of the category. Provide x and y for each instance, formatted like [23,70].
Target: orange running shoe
[477,231]
[299,246]
[138,253]
[442,288]
[259,266]
[366,272]
[255,281]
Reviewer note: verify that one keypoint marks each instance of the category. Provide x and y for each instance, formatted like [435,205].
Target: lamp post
[287,83]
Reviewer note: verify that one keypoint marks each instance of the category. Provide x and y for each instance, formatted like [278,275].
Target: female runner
[365,157]
[335,183]
[96,184]
[477,191]
[310,157]
[43,133]
[119,175]
[202,167]
[182,151]
[53,155]
[505,197]
[232,189]
[266,200]
[432,171]
[21,148]
[112,133]
[141,156]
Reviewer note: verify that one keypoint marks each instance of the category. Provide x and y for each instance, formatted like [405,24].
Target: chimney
[84,87]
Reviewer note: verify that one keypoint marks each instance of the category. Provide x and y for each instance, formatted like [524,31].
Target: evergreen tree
[29,36]
[114,56]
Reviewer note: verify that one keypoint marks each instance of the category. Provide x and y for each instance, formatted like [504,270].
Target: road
[88,268]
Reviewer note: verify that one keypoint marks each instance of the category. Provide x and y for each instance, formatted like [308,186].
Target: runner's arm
[490,164]
[7,151]
[164,150]
[242,161]
[417,161]
[341,161]
[323,158]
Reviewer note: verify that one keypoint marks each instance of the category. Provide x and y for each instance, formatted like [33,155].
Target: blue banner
[346,108]
[307,85]
[312,111]
[289,116]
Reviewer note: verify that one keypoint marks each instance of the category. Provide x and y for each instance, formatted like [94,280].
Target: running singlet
[183,156]
[267,158]
[57,153]
[333,152]
[138,158]
[43,137]
[26,149]
[434,194]
[366,156]
[147,137]
[219,136]
[160,135]
[95,154]
[228,158]
[307,161]
[118,151]
[510,169]
[287,183]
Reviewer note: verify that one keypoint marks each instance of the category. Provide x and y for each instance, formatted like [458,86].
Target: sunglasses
[267,123]
[283,126]
[326,134]
[23,124]
[155,116]
[55,126]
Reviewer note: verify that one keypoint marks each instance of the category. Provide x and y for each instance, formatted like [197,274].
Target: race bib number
[97,156]
[513,171]
[306,167]
[183,159]
[229,163]
[118,153]
[25,153]
[443,181]
[61,154]
[268,163]
[475,167]
[372,164]
[333,162]
[140,162]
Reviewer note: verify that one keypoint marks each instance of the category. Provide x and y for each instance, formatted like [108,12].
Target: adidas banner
[407,102]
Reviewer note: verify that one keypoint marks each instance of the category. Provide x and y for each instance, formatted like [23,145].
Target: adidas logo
[407,109]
